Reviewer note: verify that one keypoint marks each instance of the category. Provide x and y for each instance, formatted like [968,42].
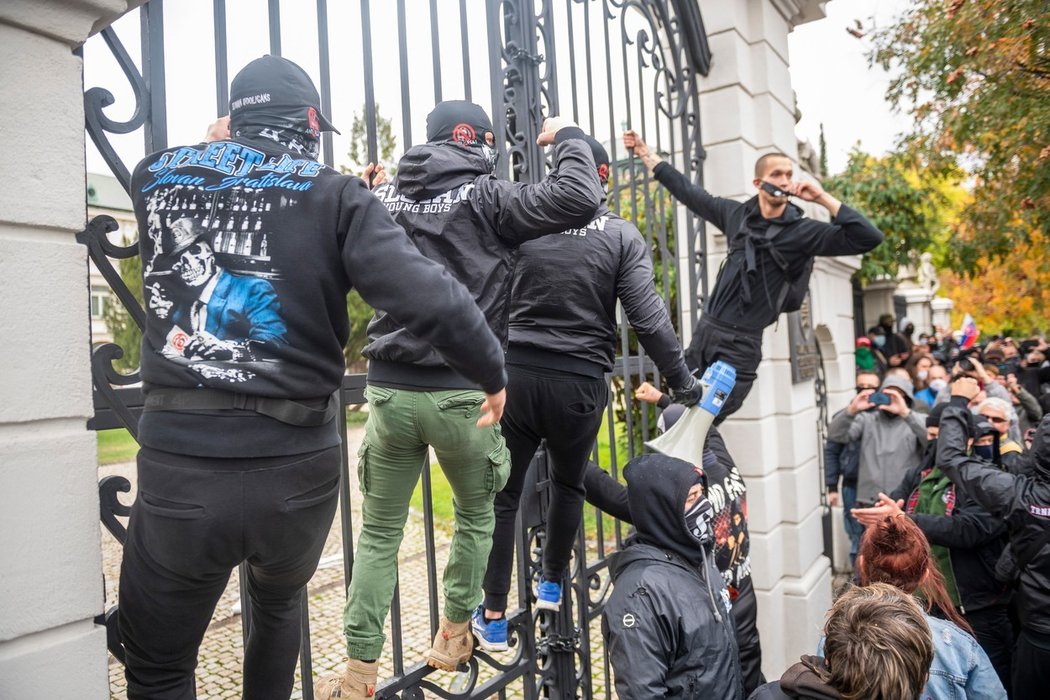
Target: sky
[829,71]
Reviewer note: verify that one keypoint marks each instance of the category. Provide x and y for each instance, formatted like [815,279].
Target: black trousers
[715,340]
[193,521]
[610,496]
[992,629]
[1031,666]
[566,410]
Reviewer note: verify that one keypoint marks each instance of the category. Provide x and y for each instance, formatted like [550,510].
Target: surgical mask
[985,452]
[880,341]
[698,521]
[937,385]
[922,374]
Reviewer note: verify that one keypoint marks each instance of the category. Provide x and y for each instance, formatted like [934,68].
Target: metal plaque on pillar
[803,342]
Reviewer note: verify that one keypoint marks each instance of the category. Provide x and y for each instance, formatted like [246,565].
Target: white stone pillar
[942,312]
[747,109]
[878,300]
[51,587]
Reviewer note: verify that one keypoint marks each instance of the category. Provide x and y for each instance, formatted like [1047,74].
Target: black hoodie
[667,622]
[1022,501]
[286,238]
[461,216]
[749,284]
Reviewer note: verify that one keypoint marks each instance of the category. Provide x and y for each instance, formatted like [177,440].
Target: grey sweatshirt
[889,446]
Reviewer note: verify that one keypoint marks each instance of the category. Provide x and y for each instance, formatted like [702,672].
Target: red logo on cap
[464,134]
[311,119]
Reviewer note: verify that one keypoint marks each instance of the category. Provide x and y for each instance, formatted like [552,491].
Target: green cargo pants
[401,425]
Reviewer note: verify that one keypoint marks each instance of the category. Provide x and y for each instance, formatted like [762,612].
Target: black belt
[284,410]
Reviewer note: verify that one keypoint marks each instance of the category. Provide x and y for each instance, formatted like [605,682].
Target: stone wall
[51,587]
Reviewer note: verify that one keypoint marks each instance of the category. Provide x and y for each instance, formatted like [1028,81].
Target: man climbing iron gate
[607,64]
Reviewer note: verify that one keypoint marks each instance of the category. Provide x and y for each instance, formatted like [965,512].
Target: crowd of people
[489,337]
[951,439]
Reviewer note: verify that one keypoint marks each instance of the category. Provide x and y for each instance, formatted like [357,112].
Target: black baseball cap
[601,157]
[458,120]
[275,81]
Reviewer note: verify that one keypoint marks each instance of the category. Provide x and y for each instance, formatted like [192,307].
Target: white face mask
[922,374]
[937,385]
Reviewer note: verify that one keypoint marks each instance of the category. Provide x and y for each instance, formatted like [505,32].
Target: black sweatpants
[565,409]
[992,630]
[1031,666]
[610,496]
[193,521]
[740,347]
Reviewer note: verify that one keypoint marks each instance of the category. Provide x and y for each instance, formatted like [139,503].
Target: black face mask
[287,126]
[985,452]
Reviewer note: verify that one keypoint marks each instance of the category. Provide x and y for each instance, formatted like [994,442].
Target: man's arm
[994,490]
[714,209]
[606,493]
[960,530]
[420,295]
[833,465]
[848,425]
[849,232]
[567,198]
[646,311]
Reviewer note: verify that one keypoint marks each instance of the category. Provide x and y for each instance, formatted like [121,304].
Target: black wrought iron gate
[609,64]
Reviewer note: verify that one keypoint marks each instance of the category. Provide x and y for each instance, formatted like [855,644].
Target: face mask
[698,521]
[922,374]
[880,341]
[937,385]
[985,452]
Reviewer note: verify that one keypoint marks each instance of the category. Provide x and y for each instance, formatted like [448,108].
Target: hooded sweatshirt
[280,239]
[748,287]
[667,622]
[459,215]
[1022,501]
[801,681]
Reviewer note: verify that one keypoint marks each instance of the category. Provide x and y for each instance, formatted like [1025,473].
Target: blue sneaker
[491,634]
[548,594]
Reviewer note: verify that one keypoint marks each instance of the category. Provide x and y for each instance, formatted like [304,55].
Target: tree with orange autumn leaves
[975,75]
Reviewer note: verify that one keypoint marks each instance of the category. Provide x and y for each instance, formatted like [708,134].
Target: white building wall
[51,587]
[748,109]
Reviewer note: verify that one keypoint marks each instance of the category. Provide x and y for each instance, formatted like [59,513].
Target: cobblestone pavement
[221,654]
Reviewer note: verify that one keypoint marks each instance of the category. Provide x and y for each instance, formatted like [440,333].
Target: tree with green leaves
[975,74]
[121,326]
[908,205]
[359,311]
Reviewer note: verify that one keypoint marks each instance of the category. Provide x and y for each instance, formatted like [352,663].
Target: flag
[969,333]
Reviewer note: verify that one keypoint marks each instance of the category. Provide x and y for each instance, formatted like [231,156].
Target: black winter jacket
[748,287]
[665,634]
[564,301]
[974,537]
[1021,501]
[286,238]
[462,217]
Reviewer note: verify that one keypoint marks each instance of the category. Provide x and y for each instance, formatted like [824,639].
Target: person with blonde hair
[877,646]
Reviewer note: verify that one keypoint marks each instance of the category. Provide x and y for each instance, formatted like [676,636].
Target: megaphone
[685,439]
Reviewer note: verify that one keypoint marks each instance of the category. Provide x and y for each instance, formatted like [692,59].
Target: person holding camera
[770,258]
[892,438]
[1023,502]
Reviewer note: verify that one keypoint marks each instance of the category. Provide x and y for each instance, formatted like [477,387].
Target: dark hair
[760,164]
[895,551]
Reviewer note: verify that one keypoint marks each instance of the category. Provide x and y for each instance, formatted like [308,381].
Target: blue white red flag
[970,333]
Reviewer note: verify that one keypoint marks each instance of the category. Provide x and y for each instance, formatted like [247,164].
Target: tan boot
[453,645]
[358,682]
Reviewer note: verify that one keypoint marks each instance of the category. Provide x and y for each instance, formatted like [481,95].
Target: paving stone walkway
[221,654]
